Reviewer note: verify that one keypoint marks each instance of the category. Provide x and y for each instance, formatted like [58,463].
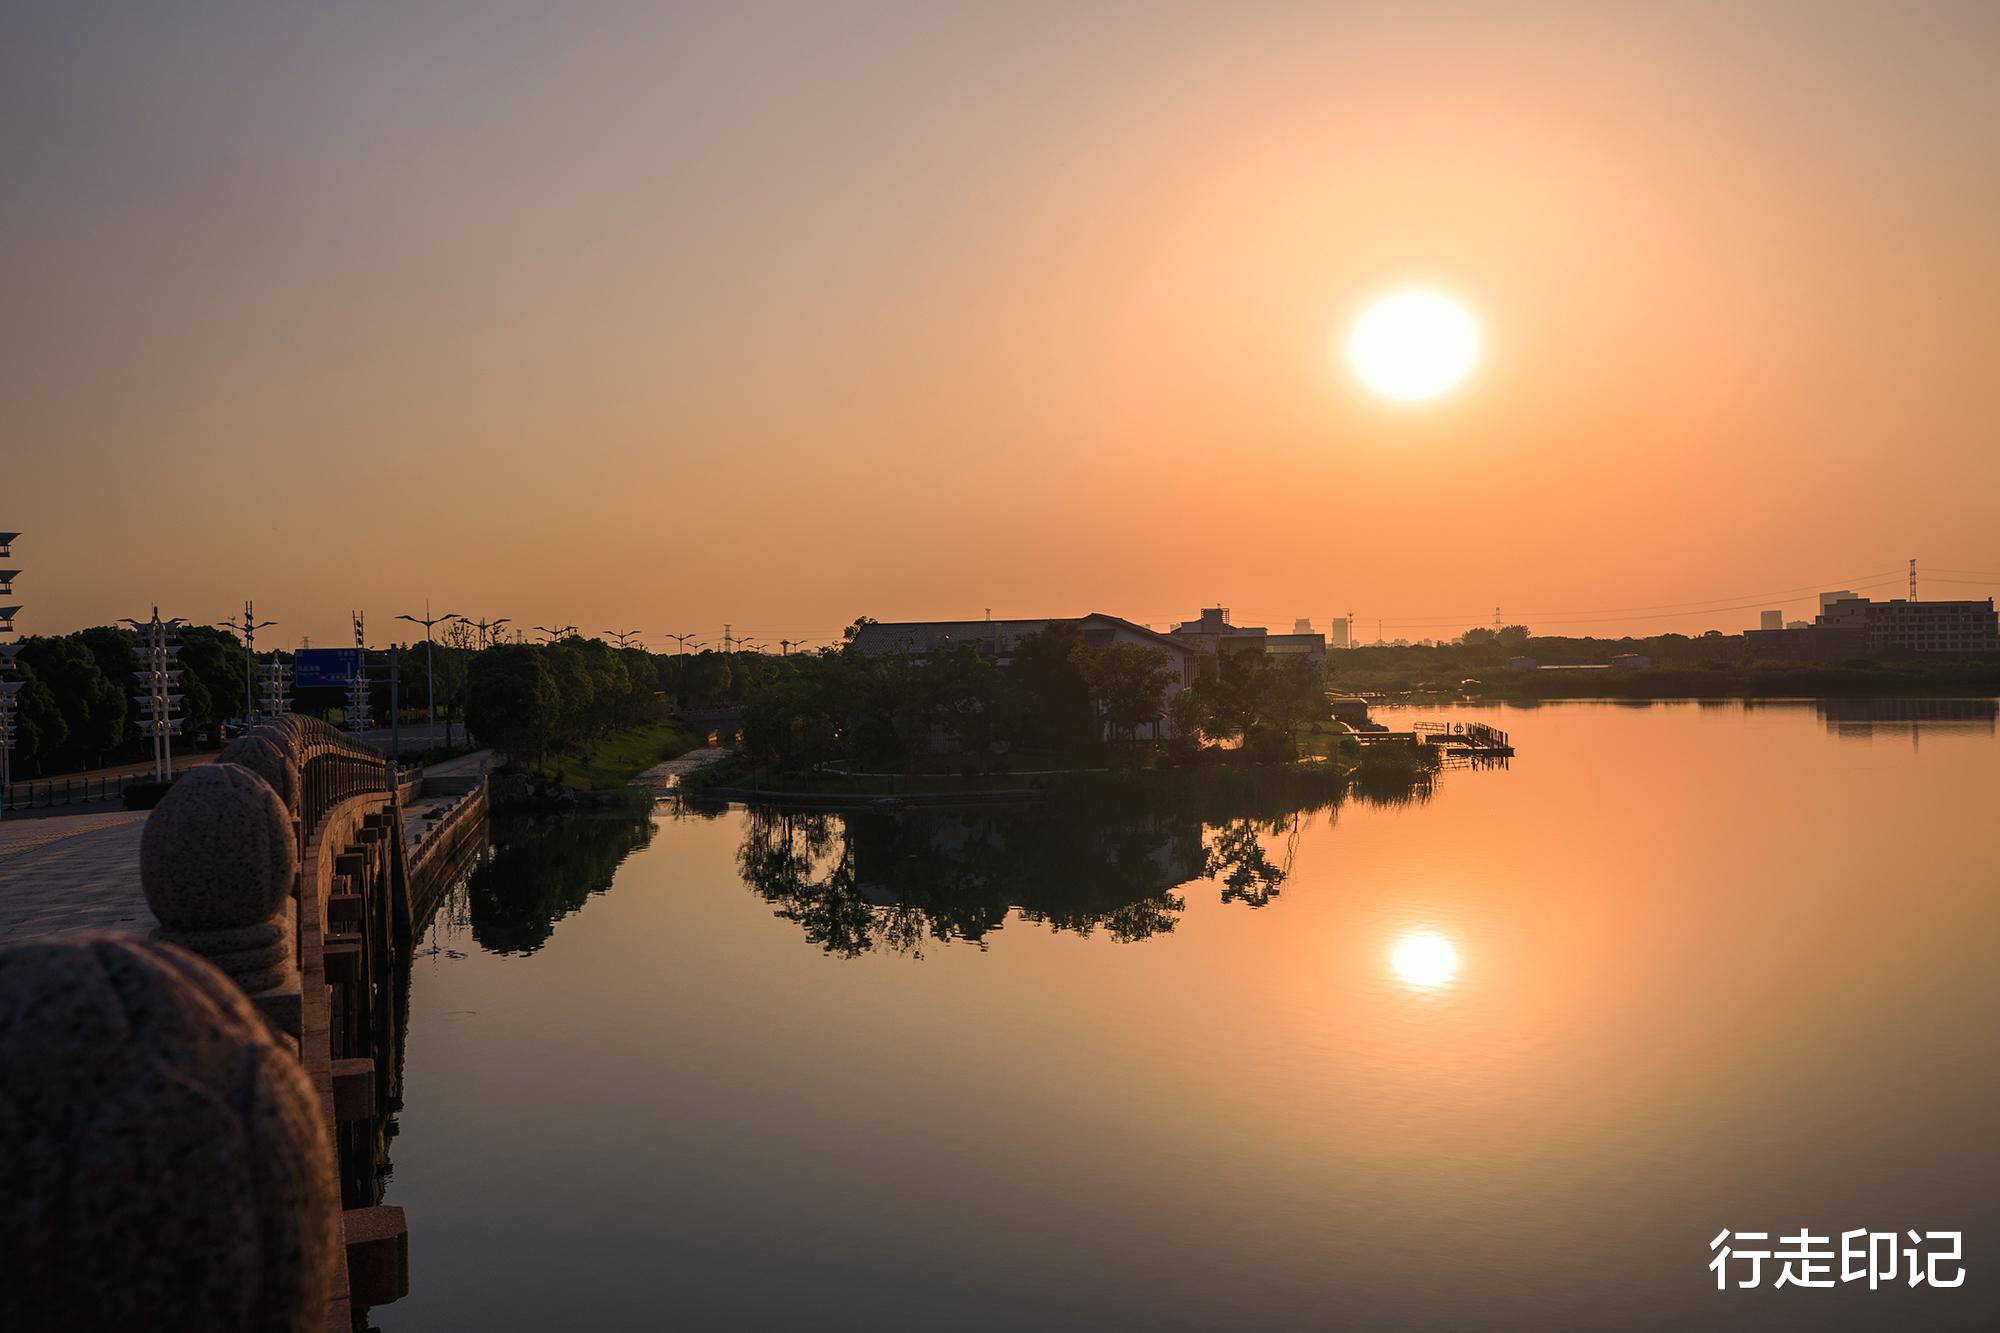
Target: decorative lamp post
[8,688]
[160,677]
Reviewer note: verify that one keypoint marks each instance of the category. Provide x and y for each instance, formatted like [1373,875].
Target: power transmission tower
[1913,579]
[248,628]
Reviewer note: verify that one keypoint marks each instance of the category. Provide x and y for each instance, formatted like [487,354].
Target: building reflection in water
[1865,719]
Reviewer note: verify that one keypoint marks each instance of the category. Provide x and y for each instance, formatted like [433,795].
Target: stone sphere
[269,760]
[164,1163]
[217,851]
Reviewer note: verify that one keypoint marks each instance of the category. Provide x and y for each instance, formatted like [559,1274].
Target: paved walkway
[416,815]
[61,876]
[669,773]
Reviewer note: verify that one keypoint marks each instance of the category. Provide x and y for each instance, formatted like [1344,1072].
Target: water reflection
[1424,959]
[1118,860]
[1865,719]
[542,869]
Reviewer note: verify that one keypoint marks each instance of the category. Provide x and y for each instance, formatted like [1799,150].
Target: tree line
[76,708]
[530,700]
[1057,694]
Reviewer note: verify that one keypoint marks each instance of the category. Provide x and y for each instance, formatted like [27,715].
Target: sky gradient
[624,316]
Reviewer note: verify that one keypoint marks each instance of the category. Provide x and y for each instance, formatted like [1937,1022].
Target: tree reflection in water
[544,868]
[1117,861]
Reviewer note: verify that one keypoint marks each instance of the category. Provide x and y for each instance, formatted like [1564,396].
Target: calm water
[1677,969]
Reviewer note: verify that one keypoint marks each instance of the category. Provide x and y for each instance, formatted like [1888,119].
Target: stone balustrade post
[166,1163]
[217,863]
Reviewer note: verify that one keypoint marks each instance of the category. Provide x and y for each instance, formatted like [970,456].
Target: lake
[1505,1054]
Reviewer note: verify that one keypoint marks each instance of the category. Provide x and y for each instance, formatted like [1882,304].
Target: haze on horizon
[778,315]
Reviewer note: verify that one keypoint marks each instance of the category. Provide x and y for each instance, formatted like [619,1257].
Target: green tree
[1128,684]
[512,700]
[39,729]
[92,705]
[1054,696]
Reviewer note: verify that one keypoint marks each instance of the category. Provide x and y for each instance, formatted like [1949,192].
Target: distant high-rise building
[1337,633]
[1771,620]
[1303,625]
[1827,599]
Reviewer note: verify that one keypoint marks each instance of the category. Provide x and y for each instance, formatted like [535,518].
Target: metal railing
[48,793]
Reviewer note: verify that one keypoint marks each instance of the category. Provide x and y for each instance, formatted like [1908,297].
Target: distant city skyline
[663,317]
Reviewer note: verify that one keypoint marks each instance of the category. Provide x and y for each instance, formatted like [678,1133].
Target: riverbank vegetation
[1678,666]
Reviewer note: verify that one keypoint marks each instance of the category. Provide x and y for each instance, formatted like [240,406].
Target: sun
[1424,959]
[1413,345]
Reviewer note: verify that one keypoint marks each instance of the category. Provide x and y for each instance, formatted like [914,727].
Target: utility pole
[395,707]
[160,676]
[8,688]
[429,622]
[248,630]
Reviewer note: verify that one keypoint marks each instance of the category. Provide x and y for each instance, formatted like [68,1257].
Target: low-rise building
[1849,626]
[1212,633]
[999,639]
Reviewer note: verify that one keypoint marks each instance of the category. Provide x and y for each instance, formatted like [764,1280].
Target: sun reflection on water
[1424,959]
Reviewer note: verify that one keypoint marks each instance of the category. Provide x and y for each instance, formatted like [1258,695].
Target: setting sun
[1413,346]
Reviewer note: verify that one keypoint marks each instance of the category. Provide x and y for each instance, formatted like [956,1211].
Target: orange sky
[777,316]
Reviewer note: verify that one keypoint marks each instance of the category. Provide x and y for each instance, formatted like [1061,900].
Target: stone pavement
[417,813]
[61,876]
[81,872]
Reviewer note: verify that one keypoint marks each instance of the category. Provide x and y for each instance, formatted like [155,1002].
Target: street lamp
[680,661]
[625,637]
[161,677]
[429,621]
[248,629]
[555,632]
[489,630]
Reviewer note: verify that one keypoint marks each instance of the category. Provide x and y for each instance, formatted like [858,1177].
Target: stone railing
[220,857]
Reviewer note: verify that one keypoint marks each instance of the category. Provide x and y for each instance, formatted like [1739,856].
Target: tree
[92,705]
[1127,682]
[512,701]
[1054,696]
[212,666]
[39,729]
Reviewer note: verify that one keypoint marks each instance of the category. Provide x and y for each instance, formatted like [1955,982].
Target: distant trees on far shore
[1058,695]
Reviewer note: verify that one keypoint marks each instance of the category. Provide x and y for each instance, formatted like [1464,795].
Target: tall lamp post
[680,661]
[161,677]
[626,637]
[488,630]
[429,622]
[8,688]
[555,632]
[248,628]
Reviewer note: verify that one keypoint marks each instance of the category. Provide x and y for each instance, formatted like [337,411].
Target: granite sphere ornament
[217,852]
[164,1162]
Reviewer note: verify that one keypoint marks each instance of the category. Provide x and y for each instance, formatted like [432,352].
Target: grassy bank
[613,760]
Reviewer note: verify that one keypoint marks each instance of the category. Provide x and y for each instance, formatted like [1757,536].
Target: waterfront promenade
[80,872]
